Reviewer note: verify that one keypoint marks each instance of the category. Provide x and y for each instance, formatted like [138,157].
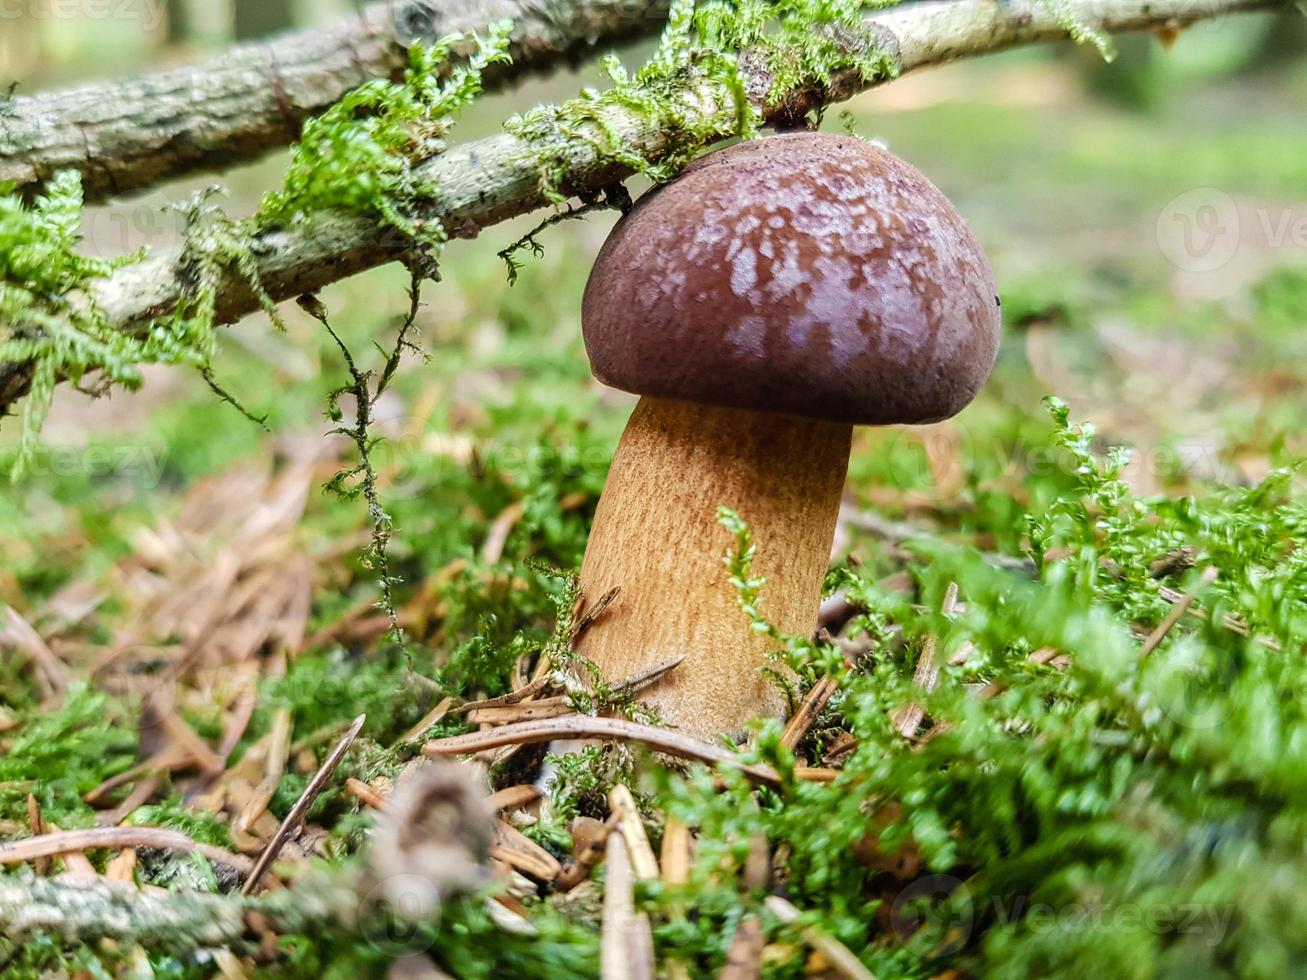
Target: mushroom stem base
[657,537]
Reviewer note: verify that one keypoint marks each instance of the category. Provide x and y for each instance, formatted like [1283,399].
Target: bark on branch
[127,135]
[84,910]
[490,180]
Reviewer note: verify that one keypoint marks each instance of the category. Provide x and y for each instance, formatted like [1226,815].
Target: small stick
[757,866]
[840,748]
[908,718]
[1230,621]
[803,719]
[492,549]
[675,861]
[141,794]
[365,794]
[1178,610]
[639,681]
[675,852]
[165,760]
[837,954]
[68,842]
[514,797]
[582,726]
[588,618]
[630,826]
[274,767]
[186,739]
[301,807]
[524,711]
[625,941]
[744,958]
[512,697]
[36,825]
[51,673]
[429,719]
[519,851]
[588,850]
[122,866]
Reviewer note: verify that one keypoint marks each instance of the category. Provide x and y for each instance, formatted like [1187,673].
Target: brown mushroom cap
[808,273]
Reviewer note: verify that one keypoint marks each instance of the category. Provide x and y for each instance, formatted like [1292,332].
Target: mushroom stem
[656,535]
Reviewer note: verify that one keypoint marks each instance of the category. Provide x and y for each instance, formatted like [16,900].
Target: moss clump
[47,305]
[799,43]
[359,155]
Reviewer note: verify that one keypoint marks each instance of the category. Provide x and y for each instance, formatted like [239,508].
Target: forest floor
[1109,776]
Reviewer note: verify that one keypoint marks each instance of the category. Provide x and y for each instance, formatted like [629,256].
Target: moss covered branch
[127,135]
[584,146]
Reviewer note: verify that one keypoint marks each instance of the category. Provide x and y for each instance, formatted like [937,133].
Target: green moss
[359,154]
[799,43]
[48,309]
[83,740]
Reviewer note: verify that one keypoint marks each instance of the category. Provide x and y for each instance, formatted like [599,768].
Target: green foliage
[465,943]
[799,654]
[360,154]
[1121,815]
[799,43]
[49,311]
[56,324]
[83,740]
[1079,31]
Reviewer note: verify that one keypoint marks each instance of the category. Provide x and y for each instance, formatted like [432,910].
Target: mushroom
[774,295]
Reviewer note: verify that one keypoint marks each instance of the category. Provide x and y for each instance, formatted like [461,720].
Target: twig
[744,958]
[360,434]
[589,843]
[625,941]
[492,549]
[675,852]
[803,719]
[50,672]
[614,198]
[629,825]
[514,797]
[588,618]
[837,954]
[907,719]
[1229,621]
[365,794]
[296,814]
[36,825]
[583,726]
[637,682]
[522,853]
[73,841]
[430,718]
[512,697]
[522,711]
[1177,611]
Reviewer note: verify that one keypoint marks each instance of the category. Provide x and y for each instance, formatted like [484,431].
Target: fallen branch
[490,180]
[128,135]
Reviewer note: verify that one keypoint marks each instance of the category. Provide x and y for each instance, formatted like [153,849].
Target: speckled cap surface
[806,273]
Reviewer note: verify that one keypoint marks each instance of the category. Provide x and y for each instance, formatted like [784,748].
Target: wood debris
[625,941]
